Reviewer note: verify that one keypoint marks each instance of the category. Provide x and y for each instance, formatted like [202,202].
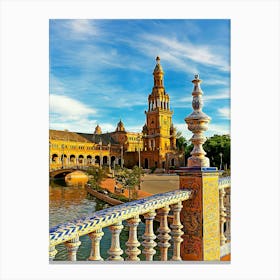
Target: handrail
[224,182]
[113,215]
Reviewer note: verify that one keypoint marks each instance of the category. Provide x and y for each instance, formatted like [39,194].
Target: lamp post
[109,146]
[122,156]
[62,146]
[100,146]
[167,162]
[139,159]
[221,155]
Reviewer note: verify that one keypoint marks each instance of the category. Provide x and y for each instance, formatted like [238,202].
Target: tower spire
[158,74]
[197,123]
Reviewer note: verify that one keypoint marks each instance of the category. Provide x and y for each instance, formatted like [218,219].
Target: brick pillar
[200,215]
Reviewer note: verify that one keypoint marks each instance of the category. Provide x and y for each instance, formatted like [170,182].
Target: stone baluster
[222,217]
[176,232]
[115,251]
[52,253]
[95,237]
[227,205]
[72,247]
[132,243]
[149,236]
[163,230]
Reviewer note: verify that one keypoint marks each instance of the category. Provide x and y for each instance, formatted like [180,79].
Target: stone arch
[72,159]
[89,159]
[54,158]
[81,159]
[97,159]
[113,158]
[172,162]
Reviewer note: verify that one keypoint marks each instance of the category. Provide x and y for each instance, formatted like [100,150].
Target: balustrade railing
[225,212]
[113,217]
[157,205]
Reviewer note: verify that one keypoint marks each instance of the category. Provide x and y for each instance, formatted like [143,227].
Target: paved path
[158,183]
[151,184]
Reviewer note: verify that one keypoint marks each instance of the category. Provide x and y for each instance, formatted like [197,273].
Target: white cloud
[81,29]
[218,96]
[212,129]
[187,100]
[224,112]
[217,129]
[176,52]
[67,109]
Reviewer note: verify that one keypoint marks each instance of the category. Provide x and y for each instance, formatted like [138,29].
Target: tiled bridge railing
[112,217]
[225,212]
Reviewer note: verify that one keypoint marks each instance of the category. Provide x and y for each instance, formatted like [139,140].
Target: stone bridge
[61,173]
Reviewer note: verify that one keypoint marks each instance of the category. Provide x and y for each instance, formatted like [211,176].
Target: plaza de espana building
[155,146]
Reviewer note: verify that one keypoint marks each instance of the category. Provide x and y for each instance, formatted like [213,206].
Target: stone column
[200,215]
[222,217]
[52,253]
[115,251]
[176,232]
[95,237]
[72,247]
[163,230]
[149,236]
[132,243]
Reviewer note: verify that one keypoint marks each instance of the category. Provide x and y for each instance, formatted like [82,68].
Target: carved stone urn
[197,123]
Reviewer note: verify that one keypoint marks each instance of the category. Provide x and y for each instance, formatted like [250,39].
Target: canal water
[67,203]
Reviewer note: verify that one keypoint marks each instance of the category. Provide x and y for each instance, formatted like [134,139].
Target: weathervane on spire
[157,59]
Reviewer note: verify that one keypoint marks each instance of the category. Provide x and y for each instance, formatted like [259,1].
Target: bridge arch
[105,160]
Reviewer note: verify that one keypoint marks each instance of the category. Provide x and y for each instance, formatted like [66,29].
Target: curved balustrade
[224,193]
[224,182]
[113,217]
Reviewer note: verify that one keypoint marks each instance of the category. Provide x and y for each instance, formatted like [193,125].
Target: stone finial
[197,123]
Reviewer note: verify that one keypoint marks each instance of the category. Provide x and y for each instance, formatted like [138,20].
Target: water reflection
[67,203]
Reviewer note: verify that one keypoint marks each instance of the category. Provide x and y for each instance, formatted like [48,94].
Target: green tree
[98,174]
[216,147]
[130,178]
[183,144]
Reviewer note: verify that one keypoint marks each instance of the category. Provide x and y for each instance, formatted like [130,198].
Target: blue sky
[101,71]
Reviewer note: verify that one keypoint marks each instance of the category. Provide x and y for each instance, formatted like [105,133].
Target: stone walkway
[151,184]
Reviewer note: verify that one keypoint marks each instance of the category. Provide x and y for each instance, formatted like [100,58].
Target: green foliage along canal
[67,203]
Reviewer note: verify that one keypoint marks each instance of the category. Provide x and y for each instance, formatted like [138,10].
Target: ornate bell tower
[158,132]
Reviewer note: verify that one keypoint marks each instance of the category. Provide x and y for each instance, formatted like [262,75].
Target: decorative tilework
[115,214]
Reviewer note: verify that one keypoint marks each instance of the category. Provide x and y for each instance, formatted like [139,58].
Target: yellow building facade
[155,147]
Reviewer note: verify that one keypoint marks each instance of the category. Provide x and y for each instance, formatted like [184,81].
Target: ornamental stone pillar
[200,214]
